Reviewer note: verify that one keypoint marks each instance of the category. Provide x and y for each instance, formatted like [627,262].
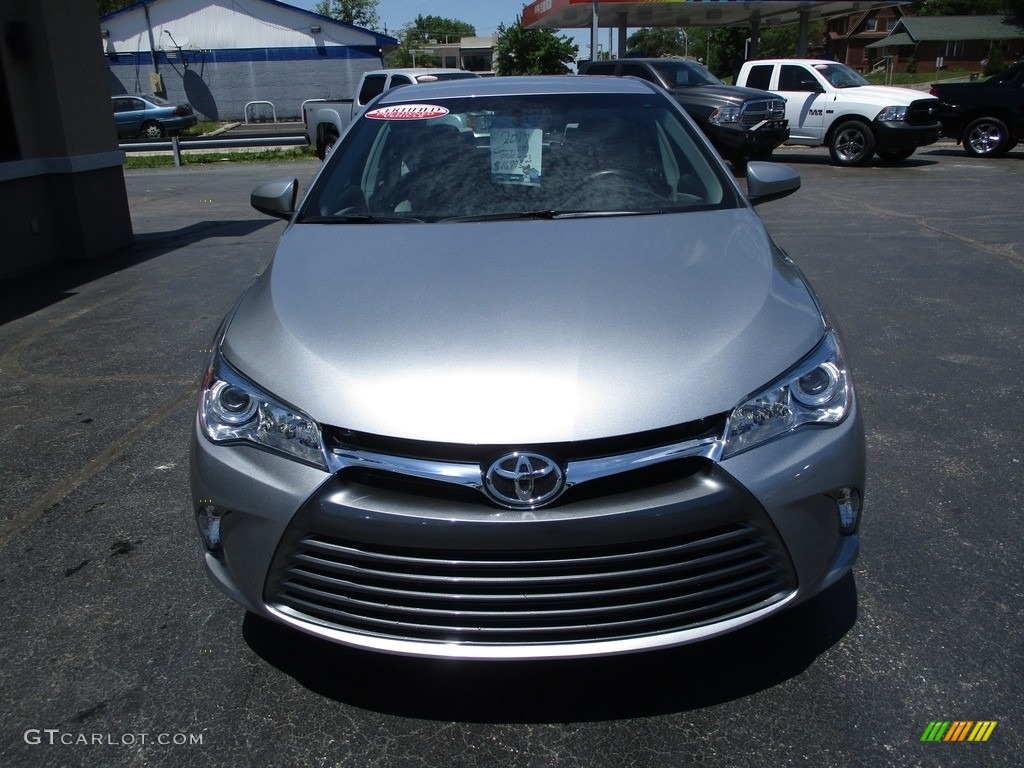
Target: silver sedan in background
[526,378]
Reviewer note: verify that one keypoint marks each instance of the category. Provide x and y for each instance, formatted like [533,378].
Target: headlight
[892,114]
[817,391]
[724,115]
[234,410]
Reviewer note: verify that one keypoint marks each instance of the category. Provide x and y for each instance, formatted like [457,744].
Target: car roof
[415,71]
[518,85]
[144,96]
[647,59]
[784,60]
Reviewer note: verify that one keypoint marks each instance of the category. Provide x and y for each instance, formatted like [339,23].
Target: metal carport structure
[565,14]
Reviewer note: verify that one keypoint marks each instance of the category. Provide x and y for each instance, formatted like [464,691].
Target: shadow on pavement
[635,685]
[820,156]
[22,295]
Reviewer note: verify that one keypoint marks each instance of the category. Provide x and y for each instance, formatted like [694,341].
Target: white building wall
[199,25]
[221,54]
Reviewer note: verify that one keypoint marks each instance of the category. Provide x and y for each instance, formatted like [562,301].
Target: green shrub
[996,61]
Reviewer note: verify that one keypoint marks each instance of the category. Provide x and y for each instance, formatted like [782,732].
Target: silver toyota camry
[526,378]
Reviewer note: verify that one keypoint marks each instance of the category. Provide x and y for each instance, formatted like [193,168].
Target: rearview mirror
[770,181]
[276,198]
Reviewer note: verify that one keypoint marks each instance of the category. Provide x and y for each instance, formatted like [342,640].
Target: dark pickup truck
[742,123]
[986,117]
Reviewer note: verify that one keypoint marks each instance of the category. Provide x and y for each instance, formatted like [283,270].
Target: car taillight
[183,110]
[933,91]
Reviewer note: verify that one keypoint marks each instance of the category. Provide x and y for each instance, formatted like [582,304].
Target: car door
[806,102]
[128,115]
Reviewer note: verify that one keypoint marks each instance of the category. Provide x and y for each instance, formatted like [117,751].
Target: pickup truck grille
[923,112]
[754,112]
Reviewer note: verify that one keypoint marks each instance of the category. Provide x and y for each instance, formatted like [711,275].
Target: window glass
[760,77]
[840,75]
[636,70]
[684,73]
[373,85]
[427,160]
[954,49]
[794,78]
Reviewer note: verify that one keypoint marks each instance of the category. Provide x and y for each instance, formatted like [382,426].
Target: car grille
[754,112]
[923,112]
[589,594]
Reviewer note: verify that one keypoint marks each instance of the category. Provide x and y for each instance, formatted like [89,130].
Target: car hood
[524,331]
[715,95]
[882,95]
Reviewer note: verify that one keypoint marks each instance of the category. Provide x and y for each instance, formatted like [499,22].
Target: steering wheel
[616,175]
[631,188]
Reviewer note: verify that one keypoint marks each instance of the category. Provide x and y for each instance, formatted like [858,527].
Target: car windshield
[517,156]
[684,73]
[841,76]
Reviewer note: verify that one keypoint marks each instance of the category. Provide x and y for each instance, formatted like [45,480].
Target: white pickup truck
[325,121]
[829,104]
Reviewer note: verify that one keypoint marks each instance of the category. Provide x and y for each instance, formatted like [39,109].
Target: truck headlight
[724,115]
[892,114]
[816,391]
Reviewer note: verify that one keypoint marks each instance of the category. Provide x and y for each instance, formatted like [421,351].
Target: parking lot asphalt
[116,650]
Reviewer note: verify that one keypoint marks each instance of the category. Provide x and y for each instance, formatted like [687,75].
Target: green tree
[658,41]
[424,31]
[960,7]
[727,48]
[439,29]
[779,42]
[1016,9]
[523,51]
[361,13]
[996,61]
[109,6]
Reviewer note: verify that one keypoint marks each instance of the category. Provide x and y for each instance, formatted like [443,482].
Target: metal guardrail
[178,145]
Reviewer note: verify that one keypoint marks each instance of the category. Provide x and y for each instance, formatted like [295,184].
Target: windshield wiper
[359,218]
[547,214]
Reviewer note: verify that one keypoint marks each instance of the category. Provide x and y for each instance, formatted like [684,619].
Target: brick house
[847,37]
[949,42]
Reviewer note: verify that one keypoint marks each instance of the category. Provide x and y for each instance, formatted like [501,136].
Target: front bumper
[896,135]
[737,142]
[694,550]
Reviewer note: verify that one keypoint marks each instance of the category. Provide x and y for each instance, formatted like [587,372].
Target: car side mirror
[276,198]
[770,181]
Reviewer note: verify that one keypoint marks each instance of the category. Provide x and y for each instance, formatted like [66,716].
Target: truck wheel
[327,142]
[986,137]
[739,165]
[895,155]
[852,143]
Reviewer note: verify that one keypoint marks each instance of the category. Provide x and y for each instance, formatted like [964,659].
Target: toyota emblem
[524,480]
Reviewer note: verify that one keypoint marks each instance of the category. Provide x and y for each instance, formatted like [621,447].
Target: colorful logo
[959,730]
